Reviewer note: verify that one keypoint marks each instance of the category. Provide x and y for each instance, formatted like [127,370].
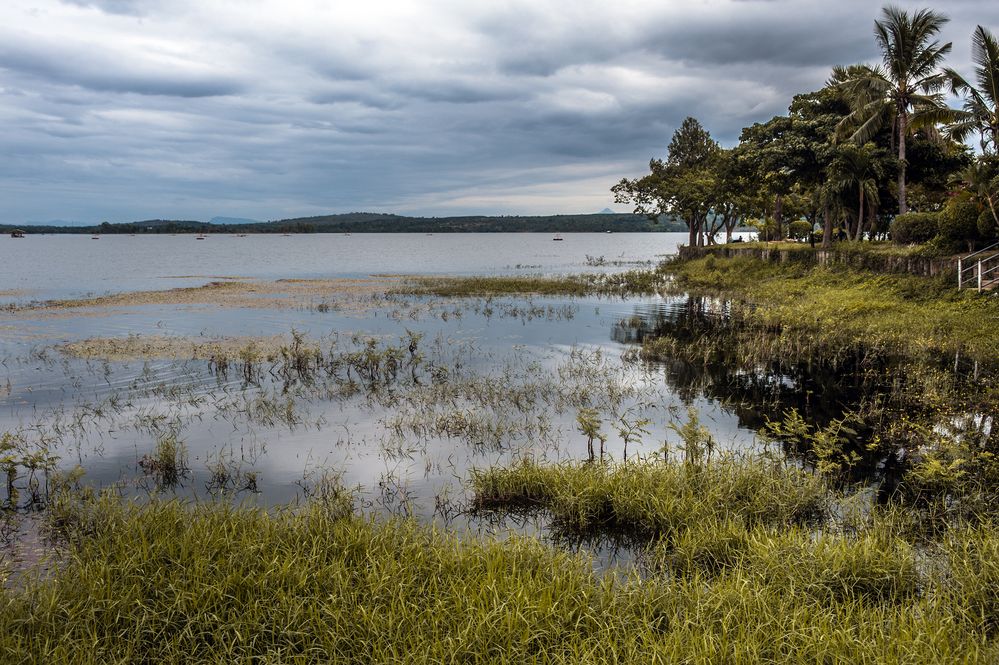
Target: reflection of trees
[752,389]
[714,352]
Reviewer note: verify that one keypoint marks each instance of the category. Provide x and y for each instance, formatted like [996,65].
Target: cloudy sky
[133,109]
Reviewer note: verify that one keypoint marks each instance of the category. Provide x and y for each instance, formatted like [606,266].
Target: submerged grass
[632,281]
[168,583]
[655,499]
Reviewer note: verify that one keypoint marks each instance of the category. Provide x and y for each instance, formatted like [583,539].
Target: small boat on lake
[95,237]
[17,233]
[201,236]
[557,238]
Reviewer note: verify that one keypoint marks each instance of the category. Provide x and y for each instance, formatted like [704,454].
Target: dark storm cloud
[125,109]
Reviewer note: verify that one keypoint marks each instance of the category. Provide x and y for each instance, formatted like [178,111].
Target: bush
[914,227]
[799,230]
[987,225]
[958,223]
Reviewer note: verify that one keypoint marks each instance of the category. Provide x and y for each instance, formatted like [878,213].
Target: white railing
[980,272]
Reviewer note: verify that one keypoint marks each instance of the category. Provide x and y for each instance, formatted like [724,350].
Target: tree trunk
[779,215]
[826,226]
[692,233]
[902,130]
[860,216]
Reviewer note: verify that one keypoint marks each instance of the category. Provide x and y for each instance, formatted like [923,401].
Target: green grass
[837,306]
[881,248]
[655,499]
[171,583]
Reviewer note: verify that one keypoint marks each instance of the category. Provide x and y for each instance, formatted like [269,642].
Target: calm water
[44,267]
[107,416]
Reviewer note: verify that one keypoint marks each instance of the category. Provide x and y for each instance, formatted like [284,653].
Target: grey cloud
[92,67]
[125,82]
[305,115]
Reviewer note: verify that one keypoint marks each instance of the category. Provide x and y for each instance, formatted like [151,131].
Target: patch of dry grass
[341,294]
[141,347]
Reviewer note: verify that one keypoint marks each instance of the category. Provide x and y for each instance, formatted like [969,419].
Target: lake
[64,266]
[498,378]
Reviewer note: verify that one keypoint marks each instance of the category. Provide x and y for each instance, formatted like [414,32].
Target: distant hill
[233,220]
[368,222]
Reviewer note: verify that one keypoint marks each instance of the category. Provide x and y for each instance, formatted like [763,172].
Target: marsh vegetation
[509,468]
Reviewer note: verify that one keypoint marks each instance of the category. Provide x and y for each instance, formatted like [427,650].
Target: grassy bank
[170,583]
[839,306]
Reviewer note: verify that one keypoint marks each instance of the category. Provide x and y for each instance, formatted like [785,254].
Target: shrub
[799,229]
[958,223]
[914,227]
[987,225]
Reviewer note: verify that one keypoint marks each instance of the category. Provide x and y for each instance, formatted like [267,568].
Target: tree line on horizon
[380,223]
[875,152]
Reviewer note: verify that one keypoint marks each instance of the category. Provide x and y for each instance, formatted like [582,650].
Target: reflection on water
[496,380]
[860,388]
[109,416]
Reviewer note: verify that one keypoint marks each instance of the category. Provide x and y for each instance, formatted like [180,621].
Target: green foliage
[829,447]
[987,228]
[981,101]
[958,222]
[696,441]
[799,229]
[588,421]
[915,227]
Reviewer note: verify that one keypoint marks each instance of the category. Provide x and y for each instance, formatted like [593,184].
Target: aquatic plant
[167,462]
[651,498]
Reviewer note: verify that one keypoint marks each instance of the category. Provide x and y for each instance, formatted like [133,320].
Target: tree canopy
[876,140]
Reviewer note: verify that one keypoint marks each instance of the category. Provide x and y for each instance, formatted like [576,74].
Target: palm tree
[858,168]
[980,180]
[980,113]
[904,93]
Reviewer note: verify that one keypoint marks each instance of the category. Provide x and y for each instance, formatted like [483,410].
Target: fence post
[979,276]
[959,275]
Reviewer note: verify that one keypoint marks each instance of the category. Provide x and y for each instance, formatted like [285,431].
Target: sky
[123,110]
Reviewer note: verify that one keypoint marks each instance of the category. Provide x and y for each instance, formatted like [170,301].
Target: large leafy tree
[815,116]
[980,113]
[775,154]
[904,92]
[682,185]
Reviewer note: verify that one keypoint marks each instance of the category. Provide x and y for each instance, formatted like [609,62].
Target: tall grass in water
[165,582]
[647,499]
[167,462]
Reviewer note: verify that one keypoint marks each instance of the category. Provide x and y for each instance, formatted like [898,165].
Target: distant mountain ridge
[369,222]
